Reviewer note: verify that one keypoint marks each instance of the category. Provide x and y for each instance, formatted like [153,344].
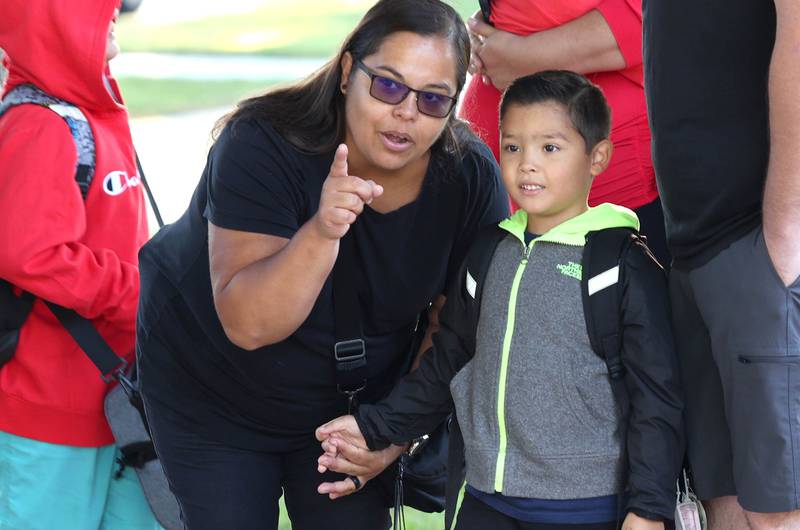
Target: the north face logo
[571,269]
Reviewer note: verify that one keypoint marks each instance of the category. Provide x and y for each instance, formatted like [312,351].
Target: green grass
[414,520]
[301,28]
[146,97]
[307,28]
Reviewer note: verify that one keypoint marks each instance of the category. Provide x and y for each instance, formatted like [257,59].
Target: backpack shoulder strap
[601,281]
[603,273]
[480,256]
[76,121]
[14,310]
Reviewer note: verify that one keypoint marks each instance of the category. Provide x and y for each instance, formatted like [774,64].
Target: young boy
[58,465]
[534,402]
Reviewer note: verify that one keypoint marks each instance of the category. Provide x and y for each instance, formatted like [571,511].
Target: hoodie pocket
[588,392]
[770,359]
[476,405]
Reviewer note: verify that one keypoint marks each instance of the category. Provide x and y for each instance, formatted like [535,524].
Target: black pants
[477,515]
[225,488]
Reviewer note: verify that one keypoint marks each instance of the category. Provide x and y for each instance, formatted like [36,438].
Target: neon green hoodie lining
[573,231]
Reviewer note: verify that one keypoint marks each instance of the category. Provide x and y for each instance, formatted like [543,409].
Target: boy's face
[545,166]
[112,48]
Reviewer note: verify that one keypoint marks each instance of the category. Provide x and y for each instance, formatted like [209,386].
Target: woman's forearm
[267,300]
[584,45]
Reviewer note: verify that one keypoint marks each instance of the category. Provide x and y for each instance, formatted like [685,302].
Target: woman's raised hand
[343,198]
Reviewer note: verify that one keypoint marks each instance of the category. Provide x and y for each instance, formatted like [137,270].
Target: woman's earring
[343,88]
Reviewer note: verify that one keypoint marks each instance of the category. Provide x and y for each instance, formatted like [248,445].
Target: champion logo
[117,182]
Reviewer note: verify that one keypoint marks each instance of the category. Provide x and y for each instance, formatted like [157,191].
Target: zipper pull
[526,251]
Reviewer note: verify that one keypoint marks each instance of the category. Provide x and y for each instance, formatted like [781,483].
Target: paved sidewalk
[173,148]
[212,67]
[173,152]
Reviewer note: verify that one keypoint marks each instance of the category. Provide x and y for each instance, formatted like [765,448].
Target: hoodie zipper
[501,392]
[500,466]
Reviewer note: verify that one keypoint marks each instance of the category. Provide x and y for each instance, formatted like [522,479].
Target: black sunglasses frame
[372,75]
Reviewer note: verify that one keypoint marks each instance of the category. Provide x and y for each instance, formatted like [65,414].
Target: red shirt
[630,179]
[78,254]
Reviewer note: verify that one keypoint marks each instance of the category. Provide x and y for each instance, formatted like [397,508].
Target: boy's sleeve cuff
[650,516]
[366,432]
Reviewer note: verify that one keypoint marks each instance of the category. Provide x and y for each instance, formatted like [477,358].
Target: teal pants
[45,487]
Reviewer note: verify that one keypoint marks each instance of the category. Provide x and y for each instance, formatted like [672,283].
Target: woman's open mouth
[395,141]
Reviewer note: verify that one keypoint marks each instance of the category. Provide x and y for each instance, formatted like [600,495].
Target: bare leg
[724,513]
[774,521]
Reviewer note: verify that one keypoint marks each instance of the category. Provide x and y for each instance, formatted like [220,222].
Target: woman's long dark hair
[310,114]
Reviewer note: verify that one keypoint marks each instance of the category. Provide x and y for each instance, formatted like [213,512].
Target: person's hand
[353,461]
[476,42]
[634,522]
[343,198]
[344,428]
[500,54]
[345,451]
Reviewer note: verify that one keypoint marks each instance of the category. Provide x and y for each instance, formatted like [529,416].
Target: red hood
[60,46]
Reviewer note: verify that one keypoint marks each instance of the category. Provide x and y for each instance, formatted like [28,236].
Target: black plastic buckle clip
[117,374]
[351,359]
[349,350]
[350,354]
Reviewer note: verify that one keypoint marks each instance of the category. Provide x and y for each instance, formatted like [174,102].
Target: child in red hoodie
[57,458]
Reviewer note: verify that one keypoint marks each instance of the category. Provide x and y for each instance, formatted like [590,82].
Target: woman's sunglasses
[393,92]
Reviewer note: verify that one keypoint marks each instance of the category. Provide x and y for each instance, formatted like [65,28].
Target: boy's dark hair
[586,105]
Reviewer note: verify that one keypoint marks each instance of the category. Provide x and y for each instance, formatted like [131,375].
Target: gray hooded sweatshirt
[535,404]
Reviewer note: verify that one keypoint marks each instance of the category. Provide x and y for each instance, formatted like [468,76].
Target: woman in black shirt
[236,326]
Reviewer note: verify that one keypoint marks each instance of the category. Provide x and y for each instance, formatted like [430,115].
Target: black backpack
[14,309]
[603,272]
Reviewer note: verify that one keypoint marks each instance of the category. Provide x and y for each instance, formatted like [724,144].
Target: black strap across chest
[349,350]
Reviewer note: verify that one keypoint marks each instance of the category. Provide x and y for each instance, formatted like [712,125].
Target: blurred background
[184,64]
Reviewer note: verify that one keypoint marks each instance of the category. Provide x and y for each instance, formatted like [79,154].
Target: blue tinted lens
[434,104]
[388,90]
[393,92]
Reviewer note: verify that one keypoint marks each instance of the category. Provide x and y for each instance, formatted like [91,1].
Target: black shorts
[737,329]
